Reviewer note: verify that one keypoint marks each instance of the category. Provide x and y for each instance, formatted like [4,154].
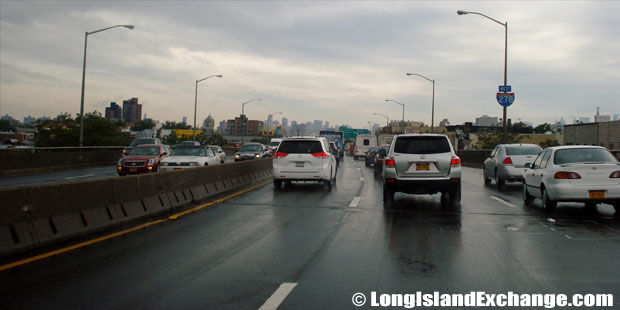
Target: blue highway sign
[505,99]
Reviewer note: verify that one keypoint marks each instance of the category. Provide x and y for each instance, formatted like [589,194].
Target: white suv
[304,159]
[422,164]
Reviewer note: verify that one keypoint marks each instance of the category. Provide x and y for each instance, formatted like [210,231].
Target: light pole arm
[420,75]
[104,29]
[491,18]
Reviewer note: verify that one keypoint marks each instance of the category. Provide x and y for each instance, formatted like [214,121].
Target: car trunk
[299,156]
[519,161]
[593,174]
[422,156]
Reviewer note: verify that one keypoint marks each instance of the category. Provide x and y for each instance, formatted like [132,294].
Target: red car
[143,158]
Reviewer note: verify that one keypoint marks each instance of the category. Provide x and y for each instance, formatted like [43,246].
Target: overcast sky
[333,61]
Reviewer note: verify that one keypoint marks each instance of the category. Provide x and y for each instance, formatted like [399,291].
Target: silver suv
[422,164]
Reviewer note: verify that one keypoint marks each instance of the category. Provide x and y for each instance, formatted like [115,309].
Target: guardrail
[34,216]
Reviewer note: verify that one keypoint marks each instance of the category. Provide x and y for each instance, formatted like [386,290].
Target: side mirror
[382,152]
[528,165]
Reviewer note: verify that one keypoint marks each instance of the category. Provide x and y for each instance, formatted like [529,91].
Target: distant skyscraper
[132,111]
[184,119]
[28,119]
[318,125]
[326,125]
[208,124]
[285,122]
[114,111]
[615,117]
[584,119]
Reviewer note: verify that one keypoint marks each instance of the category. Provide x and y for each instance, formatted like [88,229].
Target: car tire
[498,181]
[451,198]
[617,207]
[548,204]
[388,196]
[527,198]
[487,181]
[277,184]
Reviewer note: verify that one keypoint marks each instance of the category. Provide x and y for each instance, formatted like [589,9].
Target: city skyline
[332,61]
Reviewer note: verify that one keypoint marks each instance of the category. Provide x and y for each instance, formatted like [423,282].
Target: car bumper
[134,170]
[314,176]
[567,192]
[169,168]
[425,186]
[511,173]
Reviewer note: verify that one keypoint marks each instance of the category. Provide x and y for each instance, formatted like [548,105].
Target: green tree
[542,128]
[175,125]
[98,131]
[520,127]
[549,143]
[144,124]
[214,139]
[490,141]
[170,139]
[5,125]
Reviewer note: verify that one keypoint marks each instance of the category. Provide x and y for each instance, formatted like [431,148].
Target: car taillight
[370,155]
[320,155]
[389,162]
[566,175]
[455,161]
[615,175]
[507,161]
[279,155]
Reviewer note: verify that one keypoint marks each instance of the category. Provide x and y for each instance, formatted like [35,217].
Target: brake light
[279,155]
[370,156]
[390,180]
[455,161]
[615,175]
[320,155]
[507,161]
[389,162]
[566,175]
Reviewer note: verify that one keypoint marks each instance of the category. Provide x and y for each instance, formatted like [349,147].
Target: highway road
[331,244]
[68,175]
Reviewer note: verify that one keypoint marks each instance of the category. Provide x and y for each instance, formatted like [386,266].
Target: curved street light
[196,99]
[433,102]
[243,113]
[387,119]
[402,104]
[505,24]
[84,77]
[269,119]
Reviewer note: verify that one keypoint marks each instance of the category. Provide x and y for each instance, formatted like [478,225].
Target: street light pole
[269,119]
[243,113]
[387,119]
[196,99]
[505,24]
[433,102]
[403,105]
[86,34]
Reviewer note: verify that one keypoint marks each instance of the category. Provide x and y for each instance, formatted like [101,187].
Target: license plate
[133,169]
[596,194]
[178,168]
[299,164]
[422,167]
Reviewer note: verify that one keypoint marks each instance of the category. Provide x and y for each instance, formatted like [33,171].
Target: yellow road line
[122,232]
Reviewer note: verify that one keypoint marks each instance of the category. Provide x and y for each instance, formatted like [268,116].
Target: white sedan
[589,174]
[183,157]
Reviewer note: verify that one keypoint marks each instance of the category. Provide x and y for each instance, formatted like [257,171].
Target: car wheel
[487,181]
[388,196]
[498,181]
[547,203]
[451,198]
[277,184]
[527,198]
[617,207]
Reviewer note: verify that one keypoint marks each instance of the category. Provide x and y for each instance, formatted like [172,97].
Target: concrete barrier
[41,215]
[25,162]
[473,158]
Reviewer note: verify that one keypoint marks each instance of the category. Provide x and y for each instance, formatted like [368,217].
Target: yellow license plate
[596,194]
[422,167]
[177,168]
[133,169]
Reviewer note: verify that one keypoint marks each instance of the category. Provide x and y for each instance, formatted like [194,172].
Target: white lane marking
[354,202]
[358,169]
[567,236]
[361,179]
[552,228]
[504,202]
[550,220]
[278,296]
[79,176]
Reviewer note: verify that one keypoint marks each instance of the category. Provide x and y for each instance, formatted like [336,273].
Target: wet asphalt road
[236,254]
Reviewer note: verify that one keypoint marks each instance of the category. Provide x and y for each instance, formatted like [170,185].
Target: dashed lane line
[504,202]
[354,202]
[278,296]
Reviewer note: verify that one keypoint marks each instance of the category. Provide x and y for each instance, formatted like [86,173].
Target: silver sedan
[507,162]
[589,174]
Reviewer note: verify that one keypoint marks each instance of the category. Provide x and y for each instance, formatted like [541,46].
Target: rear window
[189,151]
[569,156]
[421,145]
[523,150]
[300,147]
[366,142]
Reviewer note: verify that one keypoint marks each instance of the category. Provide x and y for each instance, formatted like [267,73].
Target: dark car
[250,151]
[142,159]
[140,141]
[371,156]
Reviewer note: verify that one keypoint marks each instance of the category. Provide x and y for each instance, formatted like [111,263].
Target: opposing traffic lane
[332,244]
